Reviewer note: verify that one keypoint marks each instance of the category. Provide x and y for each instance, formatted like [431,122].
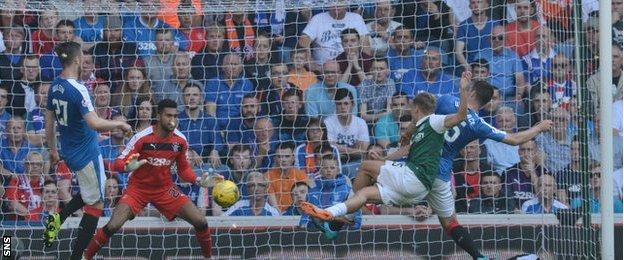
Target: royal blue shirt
[243,208]
[475,39]
[456,138]
[50,66]
[203,134]
[71,102]
[110,152]
[228,99]
[413,82]
[14,162]
[136,31]
[503,69]
[399,65]
[329,192]
[90,32]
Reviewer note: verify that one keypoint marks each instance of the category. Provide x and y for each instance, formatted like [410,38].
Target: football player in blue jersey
[440,197]
[71,113]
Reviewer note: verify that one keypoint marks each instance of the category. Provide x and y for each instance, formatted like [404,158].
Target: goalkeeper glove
[132,163]
[208,179]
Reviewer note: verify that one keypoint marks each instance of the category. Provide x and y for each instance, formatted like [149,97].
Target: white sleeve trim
[437,123]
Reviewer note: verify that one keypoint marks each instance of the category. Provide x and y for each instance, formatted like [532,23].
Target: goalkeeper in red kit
[149,155]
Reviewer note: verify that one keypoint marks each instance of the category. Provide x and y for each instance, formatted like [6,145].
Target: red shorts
[168,201]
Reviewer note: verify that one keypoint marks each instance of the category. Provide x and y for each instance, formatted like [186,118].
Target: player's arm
[526,135]
[186,173]
[99,124]
[398,154]
[454,119]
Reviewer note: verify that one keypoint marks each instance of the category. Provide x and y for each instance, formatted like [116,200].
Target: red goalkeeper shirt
[160,154]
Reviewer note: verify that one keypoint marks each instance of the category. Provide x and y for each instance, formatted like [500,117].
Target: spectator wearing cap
[292,120]
[521,179]
[42,39]
[205,64]
[160,64]
[172,87]
[111,54]
[141,29]
[382,27]
[240,128]
[521,33]
[319,97]
[493,199]
[538,62]
[257,203]
[473,34]
[324,31]
[354,64]
[223,95]
[376,91]
[24,190]
[347,132]
[22,98]
[506,69]
[35,119]
[201,130]
[89,27]
[403,56]
[387,127]
[544,201]
[501,155]
[429,77]
[49,62]
[594,198]
[112,147]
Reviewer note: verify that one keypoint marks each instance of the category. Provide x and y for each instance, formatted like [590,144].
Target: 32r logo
[6,246]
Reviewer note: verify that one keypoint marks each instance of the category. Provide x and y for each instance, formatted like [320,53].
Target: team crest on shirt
[175,147]
[417,137]
[58,88]
[85,103]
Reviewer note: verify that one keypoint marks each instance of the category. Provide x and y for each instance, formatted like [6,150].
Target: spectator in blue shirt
[4,114]
[429,78]
[141,29]
[538,62]
[264,143]
[257,204]
[402,55]
[223,95]
[49,62]
[505,67]
[112,147]
[201,130]
[292,121]
[545,201]
[594,200]
[481,72]
[298,192]
[330,189]
[90,26]
[241,127]
[14,148]
[35,119]
[112,194]
[473,34]
[320,96]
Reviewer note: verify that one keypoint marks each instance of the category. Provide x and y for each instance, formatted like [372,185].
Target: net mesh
[280,87]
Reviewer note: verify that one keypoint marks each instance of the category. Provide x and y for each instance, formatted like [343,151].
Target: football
[225,193]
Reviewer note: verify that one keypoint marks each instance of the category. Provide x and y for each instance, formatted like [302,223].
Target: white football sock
[338,210]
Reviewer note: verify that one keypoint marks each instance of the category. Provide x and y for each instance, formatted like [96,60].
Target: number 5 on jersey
[60,108]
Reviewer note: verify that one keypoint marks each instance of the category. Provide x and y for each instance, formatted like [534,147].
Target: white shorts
[398,185]
[91,181]
[441,199]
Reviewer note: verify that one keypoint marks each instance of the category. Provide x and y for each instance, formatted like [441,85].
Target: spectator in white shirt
[324,31]
[382,27]
[501,155]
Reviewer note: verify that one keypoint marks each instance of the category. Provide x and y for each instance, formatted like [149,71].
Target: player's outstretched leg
[197,219]
[86,228]
[54,221]
[121,214]
[460,235]
[367,174]
[368,194]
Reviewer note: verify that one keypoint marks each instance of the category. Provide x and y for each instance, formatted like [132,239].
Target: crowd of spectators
[287,102]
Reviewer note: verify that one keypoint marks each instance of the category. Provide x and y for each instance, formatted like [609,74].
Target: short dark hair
[405,118]
[67,52]
[380,60]
[324,147]
[248,96]
[65,23]
[490,174]
[342,93]
[286,145]
[403,28]
[46,182]
[298,184]
[484,91]
[166,103]
[349,31]
[192,84]
[538,90]
[399,94]
[163,31]
[483,63]
[293,92]
[426,102]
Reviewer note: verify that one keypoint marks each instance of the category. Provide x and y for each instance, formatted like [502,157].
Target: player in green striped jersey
[399,183]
